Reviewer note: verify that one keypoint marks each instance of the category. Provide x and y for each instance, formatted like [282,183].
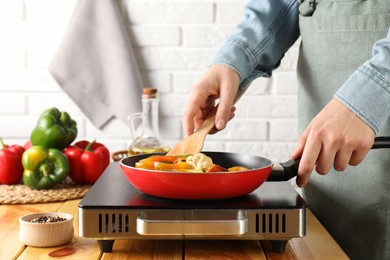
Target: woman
[344,101]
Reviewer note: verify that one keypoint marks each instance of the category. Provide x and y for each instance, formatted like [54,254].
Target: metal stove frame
[275,212]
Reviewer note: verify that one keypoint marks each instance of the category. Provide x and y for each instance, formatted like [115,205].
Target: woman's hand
[219,82]
[336,136]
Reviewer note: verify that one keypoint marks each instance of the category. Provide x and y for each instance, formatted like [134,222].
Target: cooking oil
[149,140]
[137,150]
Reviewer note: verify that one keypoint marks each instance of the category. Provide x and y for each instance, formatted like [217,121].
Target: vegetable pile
[49,158]
[184,163]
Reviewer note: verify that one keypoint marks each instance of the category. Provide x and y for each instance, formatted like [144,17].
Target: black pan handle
[289,169]
[381,142]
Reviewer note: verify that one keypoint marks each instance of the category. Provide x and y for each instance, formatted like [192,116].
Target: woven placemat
[22,194]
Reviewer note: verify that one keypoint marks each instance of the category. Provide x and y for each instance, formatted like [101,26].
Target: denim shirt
[270,27]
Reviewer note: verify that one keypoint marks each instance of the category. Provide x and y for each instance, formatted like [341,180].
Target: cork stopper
[150,93]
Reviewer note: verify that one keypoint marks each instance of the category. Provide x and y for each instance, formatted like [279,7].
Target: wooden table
[317,244]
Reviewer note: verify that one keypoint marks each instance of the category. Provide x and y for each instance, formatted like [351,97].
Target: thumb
[222,116]
[225,109]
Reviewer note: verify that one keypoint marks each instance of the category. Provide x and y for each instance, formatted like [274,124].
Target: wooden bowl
[46,234]
[119,155]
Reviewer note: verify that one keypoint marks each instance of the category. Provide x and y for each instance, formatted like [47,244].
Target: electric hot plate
[114,209]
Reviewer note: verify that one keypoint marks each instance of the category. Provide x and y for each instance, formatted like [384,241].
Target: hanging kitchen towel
[95,63]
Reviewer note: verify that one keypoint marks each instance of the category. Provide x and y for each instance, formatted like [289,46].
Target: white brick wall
[173,41]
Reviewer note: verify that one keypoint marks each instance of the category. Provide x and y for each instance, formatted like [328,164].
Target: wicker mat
[22,194]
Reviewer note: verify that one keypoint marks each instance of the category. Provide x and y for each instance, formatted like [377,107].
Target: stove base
[113,209]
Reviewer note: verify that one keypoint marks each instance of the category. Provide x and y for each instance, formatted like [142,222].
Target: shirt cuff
[367,94]
[239,58]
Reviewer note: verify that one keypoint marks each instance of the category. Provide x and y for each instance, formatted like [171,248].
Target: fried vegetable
[183,163]
[199,162]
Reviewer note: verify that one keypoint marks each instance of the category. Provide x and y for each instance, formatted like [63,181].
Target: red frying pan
[215,185]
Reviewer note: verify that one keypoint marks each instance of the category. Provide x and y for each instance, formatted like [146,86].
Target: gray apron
[354,205]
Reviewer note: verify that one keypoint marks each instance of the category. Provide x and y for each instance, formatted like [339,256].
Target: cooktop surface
[113,190]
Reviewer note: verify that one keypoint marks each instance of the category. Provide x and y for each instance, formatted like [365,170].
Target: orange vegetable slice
[160,158]
[237,168]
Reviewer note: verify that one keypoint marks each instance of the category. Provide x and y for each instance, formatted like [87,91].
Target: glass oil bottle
[148,141]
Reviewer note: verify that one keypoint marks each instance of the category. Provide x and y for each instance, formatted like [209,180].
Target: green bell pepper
[54,129]
[44,167]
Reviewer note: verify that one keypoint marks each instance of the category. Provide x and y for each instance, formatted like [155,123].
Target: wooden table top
[317,244]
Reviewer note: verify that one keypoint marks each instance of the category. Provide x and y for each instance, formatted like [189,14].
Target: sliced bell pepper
[181,165]
[160,158]
[162,166]
[87,161]
[145,165]
[237,168]
[216,168]
[11,168]
[54,129]
[44,167]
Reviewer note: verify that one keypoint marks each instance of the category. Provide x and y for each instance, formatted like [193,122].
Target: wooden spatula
[194,143]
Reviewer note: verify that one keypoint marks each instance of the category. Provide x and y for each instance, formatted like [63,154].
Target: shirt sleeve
[367,90]
[260,41]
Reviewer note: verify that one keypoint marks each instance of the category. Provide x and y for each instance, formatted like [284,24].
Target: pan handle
[289,169]
[285,171]
[381,142]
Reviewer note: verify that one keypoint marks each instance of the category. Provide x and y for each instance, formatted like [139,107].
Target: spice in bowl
[47,219]
[46,229]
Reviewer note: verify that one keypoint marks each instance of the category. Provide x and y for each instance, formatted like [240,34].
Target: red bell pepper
[87,161]
[11,168]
